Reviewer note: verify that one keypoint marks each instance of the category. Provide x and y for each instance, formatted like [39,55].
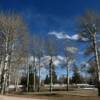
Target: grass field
[63,95]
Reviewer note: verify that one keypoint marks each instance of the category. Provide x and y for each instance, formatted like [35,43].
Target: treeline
[21,53]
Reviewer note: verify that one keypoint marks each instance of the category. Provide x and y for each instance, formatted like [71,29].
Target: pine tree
[76,78]
[47,80]
[54,76]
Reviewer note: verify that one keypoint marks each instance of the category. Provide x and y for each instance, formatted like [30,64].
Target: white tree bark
[4,87]
[67,78]
[97,57]
[27,67]
[34,66]
[39,76]
[51,83]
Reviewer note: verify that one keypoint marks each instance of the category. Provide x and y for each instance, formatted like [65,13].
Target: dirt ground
[60,95]
[51,98]
[57,98]
[16,98]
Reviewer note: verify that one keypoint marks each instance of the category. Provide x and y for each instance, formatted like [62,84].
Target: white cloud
[57,60]
[62,35]
[43,73]
[75,37]
[60,57]
[84,39]
[59,35]
[71,49]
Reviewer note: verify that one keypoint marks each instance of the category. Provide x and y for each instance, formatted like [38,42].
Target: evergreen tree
[54,76]
[76,78]
[47,80]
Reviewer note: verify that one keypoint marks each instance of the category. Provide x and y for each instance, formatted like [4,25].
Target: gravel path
[16,98]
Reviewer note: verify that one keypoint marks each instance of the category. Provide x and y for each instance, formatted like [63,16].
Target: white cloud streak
[71,49]
[62,35]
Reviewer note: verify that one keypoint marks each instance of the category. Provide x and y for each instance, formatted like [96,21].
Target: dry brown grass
[63,95]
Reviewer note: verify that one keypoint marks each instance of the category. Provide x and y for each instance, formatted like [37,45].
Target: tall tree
[33,53]
[89,26]
[47,80]
[2,53]
[54,76]
[14,30]
[69,53]
[76,78]
[37,52]
[51,51]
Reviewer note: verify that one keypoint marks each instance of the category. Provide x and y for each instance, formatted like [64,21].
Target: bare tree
[33,52]
[13,28]
[39,54]
[38,51]
[69,53]
[2,54]
[51,50]
[89,26]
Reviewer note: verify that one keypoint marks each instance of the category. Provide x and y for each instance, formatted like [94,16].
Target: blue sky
[45,16]
[48,15]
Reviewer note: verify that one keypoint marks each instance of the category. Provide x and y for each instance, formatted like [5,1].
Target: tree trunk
[5,81]
[16,78]
[9,71]
[6,67]
[2,79]
[67,80]
[97,62]
[16,83]
[2,73]
[27,65]
[34,85]
[39,77]
[50,65]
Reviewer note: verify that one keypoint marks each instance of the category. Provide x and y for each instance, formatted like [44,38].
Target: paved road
[16,98]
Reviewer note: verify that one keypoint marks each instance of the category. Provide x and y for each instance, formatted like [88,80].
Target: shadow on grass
[48,94]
